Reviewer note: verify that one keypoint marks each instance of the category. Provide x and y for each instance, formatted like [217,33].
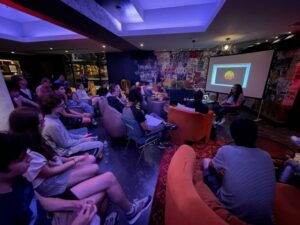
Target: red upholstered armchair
[192,126]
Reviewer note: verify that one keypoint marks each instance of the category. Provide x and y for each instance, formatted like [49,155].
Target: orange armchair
[192,126]
[183,203]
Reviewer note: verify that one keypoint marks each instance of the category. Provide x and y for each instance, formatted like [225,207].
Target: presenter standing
[233,102]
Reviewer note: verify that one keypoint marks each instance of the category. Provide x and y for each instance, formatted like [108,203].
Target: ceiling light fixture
[276,41]
[12,52]
[257,43]
[289,37]
[266,40]
[51,49]
[289,32]
[226,46]
[103,46]
[141,45]
[66,51]
[276,37]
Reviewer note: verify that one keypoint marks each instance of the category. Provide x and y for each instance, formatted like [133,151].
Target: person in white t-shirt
[242,176]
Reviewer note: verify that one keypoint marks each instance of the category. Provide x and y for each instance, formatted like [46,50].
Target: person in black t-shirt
[132,111]
[197,103]
[113,98]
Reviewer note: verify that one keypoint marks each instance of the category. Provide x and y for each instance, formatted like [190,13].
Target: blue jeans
[213,179]
[222,111]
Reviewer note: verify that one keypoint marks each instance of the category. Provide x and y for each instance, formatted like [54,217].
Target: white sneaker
[139,207]
[222,121]
[295,140]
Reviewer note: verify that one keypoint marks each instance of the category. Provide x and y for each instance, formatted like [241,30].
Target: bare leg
[97,198]
[107,183]
[86,121]
[88,159]
[82,173]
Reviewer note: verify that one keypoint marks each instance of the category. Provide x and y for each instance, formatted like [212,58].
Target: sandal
[111,219]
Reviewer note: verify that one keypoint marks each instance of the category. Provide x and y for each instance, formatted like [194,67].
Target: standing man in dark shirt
[197,103]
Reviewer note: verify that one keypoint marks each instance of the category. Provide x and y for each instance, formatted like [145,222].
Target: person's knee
[91,159]
[110,178]
[94,168]
[86,120]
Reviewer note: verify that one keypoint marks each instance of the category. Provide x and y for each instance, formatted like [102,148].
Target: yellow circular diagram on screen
[229,75]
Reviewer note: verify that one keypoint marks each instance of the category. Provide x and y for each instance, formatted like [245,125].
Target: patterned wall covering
[181,69]
[282,85]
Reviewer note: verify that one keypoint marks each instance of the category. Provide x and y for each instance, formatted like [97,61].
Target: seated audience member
[50,174]
[243,176]
[73,102]
[14,207]
[148,123]
[197,103]
[113,100]
[56,134]
[70,118]
[159,92]
[24,90]
[234,101]
[122,97]
[17,99]
[82,95]
[83,80]
[44,89]
[147,89]
[292,166]
[62,80]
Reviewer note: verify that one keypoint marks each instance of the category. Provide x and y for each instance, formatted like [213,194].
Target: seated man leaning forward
[243,176]
[148,123]
[197,103]
[56,134]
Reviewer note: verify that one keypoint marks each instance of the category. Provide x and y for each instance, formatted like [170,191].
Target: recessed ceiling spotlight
[226,47]
[289,32]
[257,43]
[51,49]
[103,46]
[290,36]
[266,40]
[142,45]
[276,41]
[12,52]
[276,37]
[66,51]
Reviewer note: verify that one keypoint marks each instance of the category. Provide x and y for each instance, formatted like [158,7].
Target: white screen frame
[257,61]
